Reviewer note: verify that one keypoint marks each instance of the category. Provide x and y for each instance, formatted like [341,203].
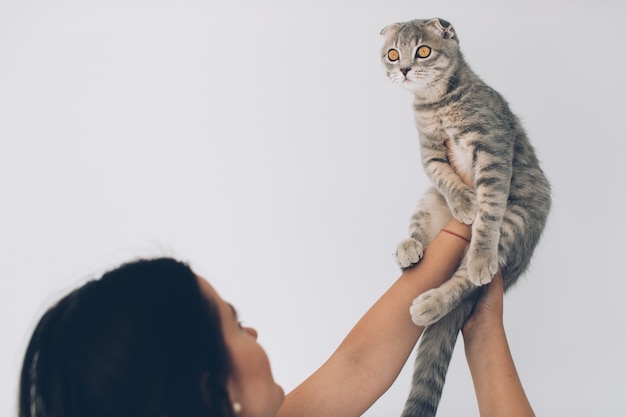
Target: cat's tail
[433,358]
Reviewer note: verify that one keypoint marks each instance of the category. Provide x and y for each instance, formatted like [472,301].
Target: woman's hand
[488,312]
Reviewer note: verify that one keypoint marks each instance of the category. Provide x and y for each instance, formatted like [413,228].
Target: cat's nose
[405,70]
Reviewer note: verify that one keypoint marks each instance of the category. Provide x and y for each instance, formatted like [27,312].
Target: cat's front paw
[464,206]
[409,252]
[482,265]
[428,308]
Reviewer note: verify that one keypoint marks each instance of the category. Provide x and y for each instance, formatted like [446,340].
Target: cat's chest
[461,157]
[437,125]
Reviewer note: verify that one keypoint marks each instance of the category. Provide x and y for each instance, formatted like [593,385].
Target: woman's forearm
[372,355]
[498,388]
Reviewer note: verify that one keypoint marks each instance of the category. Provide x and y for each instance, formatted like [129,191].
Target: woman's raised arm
[372,355]
[498,387]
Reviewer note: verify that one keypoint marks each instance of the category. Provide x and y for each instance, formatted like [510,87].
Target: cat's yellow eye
[423,52]
[393,55]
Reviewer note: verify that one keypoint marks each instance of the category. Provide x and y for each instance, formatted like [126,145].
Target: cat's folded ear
[444,27]
[387,30]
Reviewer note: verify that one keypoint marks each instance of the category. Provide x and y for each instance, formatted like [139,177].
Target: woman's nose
[252,332]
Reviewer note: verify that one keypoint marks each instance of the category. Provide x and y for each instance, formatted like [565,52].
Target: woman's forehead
[210,292]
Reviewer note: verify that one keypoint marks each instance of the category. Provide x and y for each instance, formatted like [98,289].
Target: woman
[152,339]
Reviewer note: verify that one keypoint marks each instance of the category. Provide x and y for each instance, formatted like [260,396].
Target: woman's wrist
[477,335]
[461,230]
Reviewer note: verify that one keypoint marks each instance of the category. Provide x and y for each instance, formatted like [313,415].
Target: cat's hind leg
[432,305]
[431,215]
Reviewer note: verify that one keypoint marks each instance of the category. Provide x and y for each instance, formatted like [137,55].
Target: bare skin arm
[372,355]
[498,388]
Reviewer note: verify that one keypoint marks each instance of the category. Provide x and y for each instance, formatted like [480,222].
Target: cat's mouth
[408,83]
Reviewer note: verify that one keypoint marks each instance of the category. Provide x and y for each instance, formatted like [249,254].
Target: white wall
[262,142]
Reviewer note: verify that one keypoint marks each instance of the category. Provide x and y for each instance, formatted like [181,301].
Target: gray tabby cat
[458,114]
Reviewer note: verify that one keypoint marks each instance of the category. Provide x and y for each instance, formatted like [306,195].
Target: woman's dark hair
[140,341]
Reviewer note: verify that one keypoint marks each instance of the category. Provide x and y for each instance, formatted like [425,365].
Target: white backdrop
[260,141]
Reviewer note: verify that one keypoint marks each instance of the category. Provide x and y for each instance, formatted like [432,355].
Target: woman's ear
[230,388]
[234,395]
